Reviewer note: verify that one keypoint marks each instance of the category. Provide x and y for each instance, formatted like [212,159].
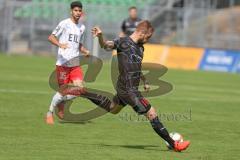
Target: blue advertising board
[221,60]
[237,66]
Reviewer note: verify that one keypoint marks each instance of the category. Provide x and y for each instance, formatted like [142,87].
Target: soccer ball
[176,137]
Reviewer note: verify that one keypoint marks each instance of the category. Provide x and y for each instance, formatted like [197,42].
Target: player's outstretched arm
[97,32]
[55,42]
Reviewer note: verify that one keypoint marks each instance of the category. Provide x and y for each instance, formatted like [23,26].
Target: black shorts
[134,99]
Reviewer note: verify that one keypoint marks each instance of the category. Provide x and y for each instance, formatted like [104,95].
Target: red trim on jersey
[144,102]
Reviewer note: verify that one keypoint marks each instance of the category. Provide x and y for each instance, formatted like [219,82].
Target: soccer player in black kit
[130,54]
[129,24]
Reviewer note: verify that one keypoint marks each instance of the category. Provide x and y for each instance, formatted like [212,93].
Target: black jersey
[129,25]
[130,55]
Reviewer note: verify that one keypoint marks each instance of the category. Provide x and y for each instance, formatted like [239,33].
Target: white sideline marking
[190,88]
[196,99]
[14,91]
[204,89]
[216,88]
[23,91]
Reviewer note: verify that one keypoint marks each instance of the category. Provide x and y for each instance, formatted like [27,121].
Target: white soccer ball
[176,137]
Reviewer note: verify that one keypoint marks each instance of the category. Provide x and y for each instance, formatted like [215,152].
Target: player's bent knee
[115,112]
[151,114]
[115,109]
[142,109]
[72,90]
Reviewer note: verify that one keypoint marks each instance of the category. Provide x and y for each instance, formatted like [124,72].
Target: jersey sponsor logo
[74,38]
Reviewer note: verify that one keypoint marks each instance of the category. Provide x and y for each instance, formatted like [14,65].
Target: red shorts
[66,75]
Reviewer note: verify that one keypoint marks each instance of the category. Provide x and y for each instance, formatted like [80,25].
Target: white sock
[57,98]
[69,97]
[49,113]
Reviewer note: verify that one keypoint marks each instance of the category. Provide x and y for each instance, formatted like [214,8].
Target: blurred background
[26,24]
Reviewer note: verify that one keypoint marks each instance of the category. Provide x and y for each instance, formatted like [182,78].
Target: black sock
[161,131]
[98,99]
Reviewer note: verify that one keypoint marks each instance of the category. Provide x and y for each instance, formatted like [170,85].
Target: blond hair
[145,27]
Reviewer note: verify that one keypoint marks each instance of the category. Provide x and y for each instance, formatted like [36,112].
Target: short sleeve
[58,30]
[116,43]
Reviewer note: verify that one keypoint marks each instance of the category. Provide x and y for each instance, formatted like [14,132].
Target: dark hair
[133,7]
[76,4]
[145,26]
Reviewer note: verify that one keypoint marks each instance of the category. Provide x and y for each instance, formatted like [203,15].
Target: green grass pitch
[213,124]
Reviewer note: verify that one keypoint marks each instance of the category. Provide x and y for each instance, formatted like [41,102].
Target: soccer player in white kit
[68,36]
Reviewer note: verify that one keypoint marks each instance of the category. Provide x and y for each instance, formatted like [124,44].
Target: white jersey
[71,34]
